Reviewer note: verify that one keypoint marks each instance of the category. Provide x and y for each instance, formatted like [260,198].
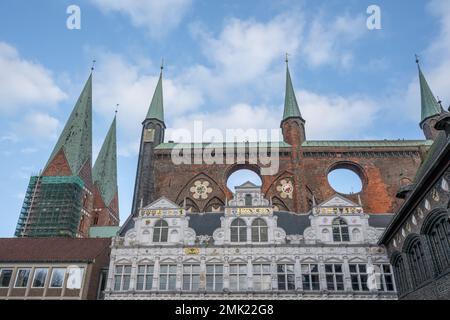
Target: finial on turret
[417,59]
[286,58]
[117,107]
[162,64]
[93,65]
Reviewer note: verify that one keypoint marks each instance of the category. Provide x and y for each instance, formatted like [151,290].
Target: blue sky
[223,65]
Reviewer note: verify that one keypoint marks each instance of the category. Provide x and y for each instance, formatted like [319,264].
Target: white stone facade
[312,264]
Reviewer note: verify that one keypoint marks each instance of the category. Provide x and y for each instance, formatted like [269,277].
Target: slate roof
[52,249]
[380,220]
[204,224]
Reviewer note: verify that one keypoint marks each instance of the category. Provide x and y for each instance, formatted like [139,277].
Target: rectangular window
[167,277]
[238,277]
[262,279]
[191,277]
[386,278]
[74,278]
[334,277]
[40,275]
[5,277]
[122,276]
[57,279]
[22,278]
[214,277]
[286,277]
[144,279]
[310,277]
[358,275]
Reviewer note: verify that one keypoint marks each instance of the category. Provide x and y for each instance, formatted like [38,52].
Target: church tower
[104,174]
[431,109]
[292,125]
[59,202]
[153,128]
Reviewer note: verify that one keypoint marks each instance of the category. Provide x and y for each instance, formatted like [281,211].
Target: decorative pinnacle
[417,59]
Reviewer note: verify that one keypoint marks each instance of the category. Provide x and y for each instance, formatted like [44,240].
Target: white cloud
[327,43]
[24,83]
[158,17]
[38,126]
[336,117]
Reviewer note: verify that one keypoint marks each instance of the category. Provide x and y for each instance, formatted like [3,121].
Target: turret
[153,128]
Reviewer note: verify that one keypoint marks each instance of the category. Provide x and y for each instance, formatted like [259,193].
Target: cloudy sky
[224,64]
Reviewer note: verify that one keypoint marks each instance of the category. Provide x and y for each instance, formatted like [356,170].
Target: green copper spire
[104,172]
[291,108]
[430,106]
[76,137]
[156,109]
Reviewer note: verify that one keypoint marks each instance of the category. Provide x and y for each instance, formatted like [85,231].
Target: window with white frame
[5,277]
[40,275]
[259,231]
[334,277]
[262,278]
[359,277]
[285,276]
[160,231]
[340,230]
[167,276]
[57,278]
[144,279]
[238,277]
[386,277]
[122,276]
[238,231]
[75,277]
[214,277]
[191,277]
[310,277]
[23,274]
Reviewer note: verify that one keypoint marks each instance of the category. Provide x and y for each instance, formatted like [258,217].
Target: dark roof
[380,220]
[51,249]
[205,224]
[292,223]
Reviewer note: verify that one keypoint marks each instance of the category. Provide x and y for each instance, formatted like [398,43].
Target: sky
[223,65]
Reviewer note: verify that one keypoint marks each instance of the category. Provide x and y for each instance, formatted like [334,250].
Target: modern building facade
[251,251]
[53,268]
[418,238]
[70,196]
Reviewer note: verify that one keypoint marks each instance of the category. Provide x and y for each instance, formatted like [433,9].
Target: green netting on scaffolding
[52,207]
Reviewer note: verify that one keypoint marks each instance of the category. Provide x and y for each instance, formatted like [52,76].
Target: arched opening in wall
[240,176]
[346,178]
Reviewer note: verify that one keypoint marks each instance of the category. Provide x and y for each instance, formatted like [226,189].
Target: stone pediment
[338,201]
[162,203]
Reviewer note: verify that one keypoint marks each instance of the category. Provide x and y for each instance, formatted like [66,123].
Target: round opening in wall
[241,176]
[345,181]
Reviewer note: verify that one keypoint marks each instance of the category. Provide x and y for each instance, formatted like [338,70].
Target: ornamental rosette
[201,189]
[285,188]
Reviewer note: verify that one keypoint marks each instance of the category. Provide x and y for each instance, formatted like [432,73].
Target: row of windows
[259,231]
[262,277]
[40,276]
[412,268]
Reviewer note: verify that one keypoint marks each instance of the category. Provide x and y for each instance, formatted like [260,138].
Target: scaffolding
[52,207]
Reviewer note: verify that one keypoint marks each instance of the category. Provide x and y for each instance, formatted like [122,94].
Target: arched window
[259,231]
[160,231]
[340,230]
[248,199]
[416,259]
[238,231]
[439,238]
[400,274]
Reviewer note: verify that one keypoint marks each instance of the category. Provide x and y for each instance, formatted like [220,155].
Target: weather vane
[117,107]
[93,64]
[287,58]
[417,58]
[162,63]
